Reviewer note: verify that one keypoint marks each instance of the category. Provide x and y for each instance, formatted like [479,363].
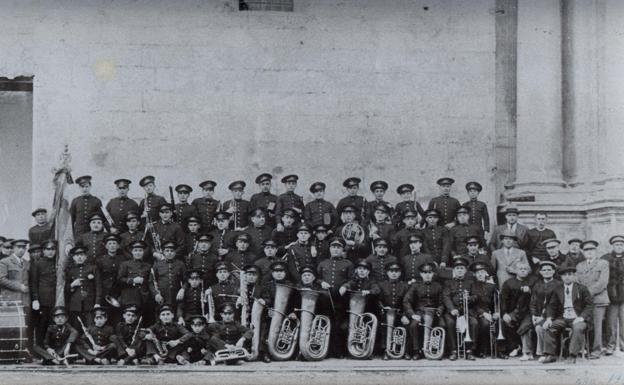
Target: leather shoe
[417,357]
[453,356]
[407,357]
[266,358]
[470,357]
[549,359]
[571,360]
[385,357]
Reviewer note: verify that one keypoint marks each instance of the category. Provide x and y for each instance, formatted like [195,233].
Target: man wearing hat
[237,207]
[320,241]
[183,209]
[300,253]
[452,294]
[593,273]
[515,298]
[507,258]
[264,199]
[226,289]
[332,274]
[206,206]
[378,188]
[355,235]
[223,237]
[462,231]
[478,211]
[131,235]
[130,346]
[168,275]
[120,206]
[191,227]
[108,265]
[259,231]
[411,262]
[83,286]
[379,225]
[575,254]
[248,290]
[203,259]
[379,259]
[400,239]
[84,206]
[193,301]
[171,335]
[59,339]
[228,330]
[134,278]
[167,229]
[151,203]
[553,253]
[352,199]
[93,240]
[200,348]
[241,256]
[540,293]
[615,289]
[445,203]
[42,279]
[408,203]
[422,304]
[14,280]
[319,211]
[436,238]
[42,230]
[99,347]
[34,252]
[537,235]
[483,306]
[286,233]
[288,200]
[6,248]
[269,253]
[511,226]
[392,290]
[569,306]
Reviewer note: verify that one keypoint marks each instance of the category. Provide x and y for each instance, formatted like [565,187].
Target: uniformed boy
[201,345]
[445,203]
[168,276]
[459,234]
[60,336]
[226,289]
[97,343]
[392,290]
[352,199]
[241,256]
[42,230]
[408,203]
[378,188]
[264,199]
[193,301]
[320,242]
[258,231]
[119,207]
[42,280]
[223,237]
[540,293]
[203,259]
[84,206]
[131,235]
[166,339]
[380,225]
[300,253]
[93,240]
[264,264]
[251,286]
[129,338]
[166,230]
[230,331]
[319,211]
[478,211]
[133,278]
[207,206]
[108,265]
[379,259]
[83,287]
[237,207]
[414,260]
[400,239]
[288,200]
[183,209]
[286,231]
[361,283]
[151,203]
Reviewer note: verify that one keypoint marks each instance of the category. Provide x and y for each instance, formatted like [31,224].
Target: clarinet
[87,334]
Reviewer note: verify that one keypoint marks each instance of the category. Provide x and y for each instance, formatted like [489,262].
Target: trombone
[500,337]
[462,327]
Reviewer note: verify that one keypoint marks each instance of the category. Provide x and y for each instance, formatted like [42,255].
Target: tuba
[433,346]
[224,355]
[362,328]
[396,336]
[256,320]
[315,329]
[353,232]
[283,330]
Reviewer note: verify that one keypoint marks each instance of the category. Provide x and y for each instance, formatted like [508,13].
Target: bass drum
[13,333]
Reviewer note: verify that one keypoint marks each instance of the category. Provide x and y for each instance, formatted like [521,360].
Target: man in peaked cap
[84,206]
[132,223]
[183,209]
[288,200]
[408,203]
[378,188]
[436,238]
[264,199]
[575,254]
[206,206]
[319,211]
[151,203]
[477,209]
[459,234]
[120,206]
[301,252]
[93,240]
[259,231]
[42,230]
[237,206]
[241,255]
[352,185]
[511,225]
[400,239]
[553,253]
[356,235]
[380,258]
[167,229]
[444,203]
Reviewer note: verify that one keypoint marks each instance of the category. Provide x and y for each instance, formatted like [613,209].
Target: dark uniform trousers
[42,279]
[483,303]
[57,338]
[103,337]
[423,299]
[81,299]
[124,333]
[452,295]
[136,294]
[201,346]
[165,333]
[391,295]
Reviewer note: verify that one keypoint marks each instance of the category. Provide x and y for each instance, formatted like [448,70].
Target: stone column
[539,158]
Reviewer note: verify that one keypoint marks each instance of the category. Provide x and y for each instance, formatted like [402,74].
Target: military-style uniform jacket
[169,231]
[436,243]
[237,259]
[123,336]
[132,293]
[400,240]
[334,271]
[266,201]
[222,239]
[478,212]
[118,208]
[264,265]
[81,209]
[411,264]
[93,241]
[322,248]
[459,234]
[360,284]
[267,292]
[452,294]
[402,207]
[57,337]
[206,208]
[204,262]
[369,208]
[40,233]
[84,297]
[378,264]
[14,274]
[192,302]
[447,206]
[421,295]
[225,291]
[391,293]
[240,217]
[43,281]
[284,238]
[104,336]
[109,268]
[127,239]
[258,236]
[320,212]
[229,332]
[169,273]
[153,203]
[615,287]
[169,332]
[483,297]
[297,256]
[357,201]
[184,211]
[288,200]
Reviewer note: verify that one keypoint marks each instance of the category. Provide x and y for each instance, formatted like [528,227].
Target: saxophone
[161,347]
[315,329]
[362,328]
[283,331]
[256,321]
[244,299]
[396,336]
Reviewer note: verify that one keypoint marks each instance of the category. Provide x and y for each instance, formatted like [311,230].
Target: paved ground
[605,371]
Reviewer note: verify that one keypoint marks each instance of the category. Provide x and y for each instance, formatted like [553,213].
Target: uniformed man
[379,259]
[478,210]
[483,307]
[379,225]
[42,230]
[400,239]
[194,300]
[475,253]
[59,339]
[241,256]
[259,231]
[207,206]
[183,209]
[540,295]
[264,263]
[251,285]
[511,226]
[83,287]
[226,289]
[408,203]
[223,237]
[264,199]
[300,253]
[192,230]
[287,232]
[392,290]
[423,305]
[119,207]
[108,265]
[445,203]
[378,188]
[42,279]
[167,230]
[84,206]
[93,240]
[355,235]
[459,234]
[536,236]
[200,347]
[230,331]
[132,235]
[98,347]
[168,276]
[133,277]
[319,211]
[130,344]
[352,199]
[575,254]
[237,207]
[14,281]
[332,274]
[151,203]
[288,200]
[320,242]
[615,289]
[204,260]
[435,238]
[171,336]
[414,260]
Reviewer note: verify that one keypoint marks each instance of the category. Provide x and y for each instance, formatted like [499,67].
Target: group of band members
[160,282]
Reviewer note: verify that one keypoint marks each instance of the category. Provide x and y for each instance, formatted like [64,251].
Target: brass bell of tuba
[433,346]
[315,329]
[362,328]
[282,339]
[396,336]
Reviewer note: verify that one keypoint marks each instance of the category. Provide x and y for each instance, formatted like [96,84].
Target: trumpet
[282,332]
[315,329]
[463,327]
[396,336]
[362,328]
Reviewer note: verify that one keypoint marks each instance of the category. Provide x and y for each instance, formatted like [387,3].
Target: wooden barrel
[13,333]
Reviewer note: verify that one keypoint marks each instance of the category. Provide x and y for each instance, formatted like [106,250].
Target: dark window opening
[265,5]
